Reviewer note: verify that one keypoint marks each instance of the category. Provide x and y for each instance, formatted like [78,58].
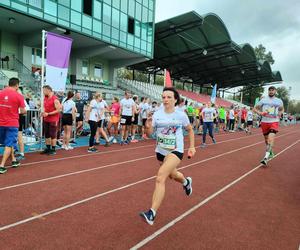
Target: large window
[98,10]
[85,65]
[36,57]
[98,71]
[87,7]
[106,14]
[115,18]
[35,3]
[76,5]
[50,7]
[131,25]
[63,13]
[75,17]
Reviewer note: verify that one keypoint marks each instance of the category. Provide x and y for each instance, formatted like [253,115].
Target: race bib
[77,114]
[208,116]
[167,142]
[123,121]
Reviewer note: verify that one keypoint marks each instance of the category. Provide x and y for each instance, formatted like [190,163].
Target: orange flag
[168,81]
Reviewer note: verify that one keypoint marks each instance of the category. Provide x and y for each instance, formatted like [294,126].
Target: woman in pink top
[115,117]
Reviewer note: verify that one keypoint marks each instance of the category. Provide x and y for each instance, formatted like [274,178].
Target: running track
[76,200]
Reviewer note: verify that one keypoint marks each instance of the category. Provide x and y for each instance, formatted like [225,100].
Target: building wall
[9,43]
[27,51]
[108,20]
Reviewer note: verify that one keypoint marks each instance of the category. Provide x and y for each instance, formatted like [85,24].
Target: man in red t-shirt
[243,118]
[51,112]
[10,104]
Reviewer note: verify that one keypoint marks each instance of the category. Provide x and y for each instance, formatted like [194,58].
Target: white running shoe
[70,147]
[115,140]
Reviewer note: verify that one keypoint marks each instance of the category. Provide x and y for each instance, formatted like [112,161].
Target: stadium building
[107,34]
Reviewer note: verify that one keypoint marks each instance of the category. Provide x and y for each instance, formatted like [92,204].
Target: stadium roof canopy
[200,48]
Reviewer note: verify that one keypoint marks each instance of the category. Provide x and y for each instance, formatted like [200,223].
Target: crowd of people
[122,121]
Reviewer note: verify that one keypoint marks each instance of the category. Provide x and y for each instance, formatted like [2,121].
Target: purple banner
[58,50]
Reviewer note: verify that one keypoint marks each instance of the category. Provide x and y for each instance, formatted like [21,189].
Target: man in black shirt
[80,109]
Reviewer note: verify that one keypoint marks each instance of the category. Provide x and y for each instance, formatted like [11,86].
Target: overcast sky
[273,23]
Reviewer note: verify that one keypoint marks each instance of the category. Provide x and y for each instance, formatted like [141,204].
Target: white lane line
[111,191]
[112,151]
[188,212]
[73,173]
[96,168]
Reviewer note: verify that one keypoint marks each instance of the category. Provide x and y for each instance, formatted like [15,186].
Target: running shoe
[19,157]
[45,151]
[92,150]
[97,143]
[3,170]
[214,140]
[148,217]
[52,152]
[188,187]
[70,147]
[114,140]
[106,144]
[121,143]
[126,142]
[135,141]
[271,155]
[111,138]
[264,161]
[15,164]
[145,137]
[203,145]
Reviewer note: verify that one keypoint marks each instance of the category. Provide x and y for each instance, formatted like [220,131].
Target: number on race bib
[123,121]
[167,142]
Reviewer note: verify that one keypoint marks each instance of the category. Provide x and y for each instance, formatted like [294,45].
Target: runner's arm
[257,110]
[87,114]
[148,126]
[280,111]
[191,150]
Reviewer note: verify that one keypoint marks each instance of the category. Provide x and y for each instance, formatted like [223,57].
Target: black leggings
[93,128]
[231,124]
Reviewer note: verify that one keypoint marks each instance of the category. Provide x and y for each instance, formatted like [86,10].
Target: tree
[261,54]
[251,93]
[284,95]
[294,107]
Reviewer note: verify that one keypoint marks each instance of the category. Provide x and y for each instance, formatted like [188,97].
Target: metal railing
[10,62]
[31,130]
[3,80]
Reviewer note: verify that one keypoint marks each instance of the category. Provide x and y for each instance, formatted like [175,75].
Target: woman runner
[168,124]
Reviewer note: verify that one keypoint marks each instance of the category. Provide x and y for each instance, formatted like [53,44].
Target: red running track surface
[261,211]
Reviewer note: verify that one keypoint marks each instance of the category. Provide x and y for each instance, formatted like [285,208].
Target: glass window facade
[108,22]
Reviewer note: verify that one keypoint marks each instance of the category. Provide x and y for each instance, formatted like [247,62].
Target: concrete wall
[9,43]
[27,52]
[76,67]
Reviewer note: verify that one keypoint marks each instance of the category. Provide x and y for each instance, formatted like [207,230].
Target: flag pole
[42,85]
